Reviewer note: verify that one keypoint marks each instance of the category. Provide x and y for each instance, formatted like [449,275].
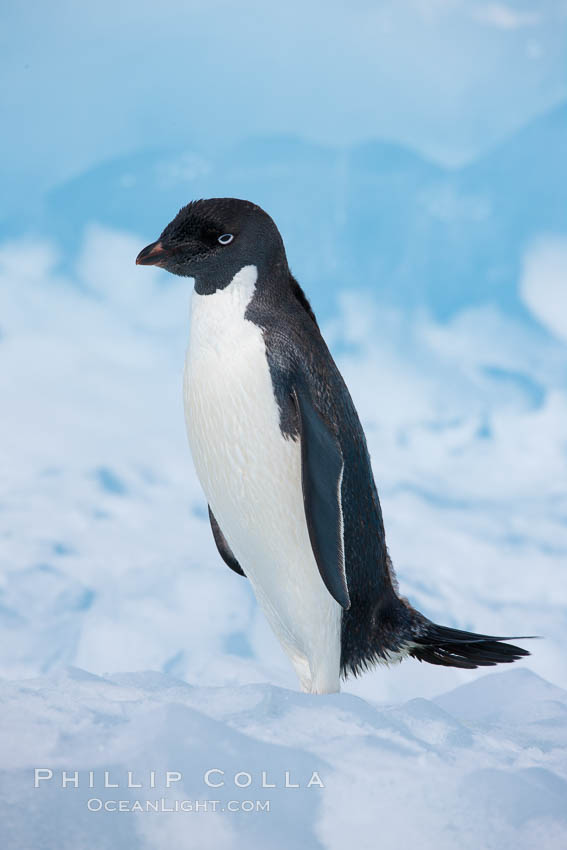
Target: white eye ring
[226,238]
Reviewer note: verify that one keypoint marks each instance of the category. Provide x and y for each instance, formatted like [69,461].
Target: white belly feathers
[251,476]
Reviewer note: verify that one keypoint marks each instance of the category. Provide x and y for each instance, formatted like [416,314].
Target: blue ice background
[414,157]
[436,126]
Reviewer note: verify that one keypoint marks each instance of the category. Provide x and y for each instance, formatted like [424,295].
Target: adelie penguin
[282,458]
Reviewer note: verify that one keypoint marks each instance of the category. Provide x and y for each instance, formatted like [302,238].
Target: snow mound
[466,769]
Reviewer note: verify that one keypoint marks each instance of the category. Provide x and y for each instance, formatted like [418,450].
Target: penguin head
[211,240]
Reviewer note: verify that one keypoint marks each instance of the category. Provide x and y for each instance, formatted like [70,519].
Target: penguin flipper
[224,549]
[322,466]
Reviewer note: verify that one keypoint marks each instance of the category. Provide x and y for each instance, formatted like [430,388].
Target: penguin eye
[226,238]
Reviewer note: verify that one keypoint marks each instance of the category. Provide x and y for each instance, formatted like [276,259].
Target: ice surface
[433,774]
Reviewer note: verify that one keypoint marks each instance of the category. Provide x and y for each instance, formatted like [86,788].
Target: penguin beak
[151,255]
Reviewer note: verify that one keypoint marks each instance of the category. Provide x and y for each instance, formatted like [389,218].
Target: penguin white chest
[251,475]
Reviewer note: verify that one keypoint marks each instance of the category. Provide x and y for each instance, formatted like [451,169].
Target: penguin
[282,458]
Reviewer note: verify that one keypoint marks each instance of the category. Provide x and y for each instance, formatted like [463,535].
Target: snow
[108,566]
[466,769]
[544,283]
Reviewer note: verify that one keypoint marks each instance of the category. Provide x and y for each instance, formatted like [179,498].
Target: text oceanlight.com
[95,804]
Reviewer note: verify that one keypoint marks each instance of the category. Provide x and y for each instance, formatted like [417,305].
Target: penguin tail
[455,648]
[390,630]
